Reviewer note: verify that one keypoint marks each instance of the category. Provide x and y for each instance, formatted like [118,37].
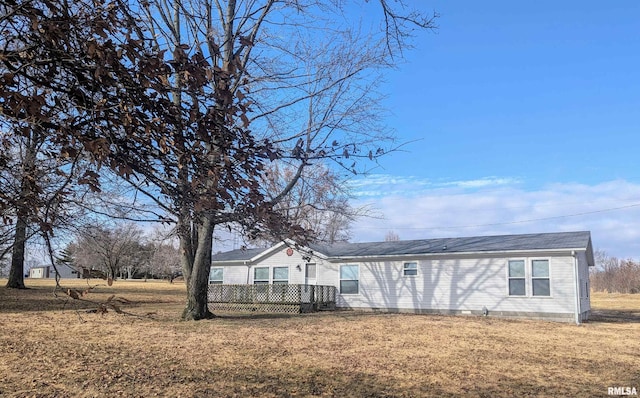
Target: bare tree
[165,257]
[614,275]
[35,195]
[113,250]
[319,202]
[6,242]
[137,260]
[20,193]
[279,58]
[391,236]
[165,262]
[36,176]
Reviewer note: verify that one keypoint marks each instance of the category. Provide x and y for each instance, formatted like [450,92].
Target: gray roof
[237,255]
[543,241]
[526,242]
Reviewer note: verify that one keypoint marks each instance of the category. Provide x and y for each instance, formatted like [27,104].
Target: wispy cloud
[381,185]
[482,183]
[610,210]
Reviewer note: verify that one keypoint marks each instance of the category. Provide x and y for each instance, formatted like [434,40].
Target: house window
[216,276]
[517,281]
[349,279]
[280,275]
[533,281]
[410,269]
[540,278]
[261,275]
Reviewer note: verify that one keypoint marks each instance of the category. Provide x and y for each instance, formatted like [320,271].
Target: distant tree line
[614,275]
[123,251]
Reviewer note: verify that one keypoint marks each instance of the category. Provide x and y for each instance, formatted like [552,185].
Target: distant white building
[47,271]
[540,276]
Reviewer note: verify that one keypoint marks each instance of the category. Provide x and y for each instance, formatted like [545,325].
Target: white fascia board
[290,243]
[500,253]
[268,251]
[253,259]
[258,256]
[220,263]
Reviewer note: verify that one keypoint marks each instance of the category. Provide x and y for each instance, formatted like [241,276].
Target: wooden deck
[288,298]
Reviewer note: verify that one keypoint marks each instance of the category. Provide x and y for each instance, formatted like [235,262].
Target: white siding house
[47,271]
[541,276]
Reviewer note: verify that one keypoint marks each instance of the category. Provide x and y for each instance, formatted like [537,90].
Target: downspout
[248,270]
[576,275]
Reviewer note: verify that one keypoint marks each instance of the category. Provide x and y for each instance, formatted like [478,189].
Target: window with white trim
[216,276]
[529,278]
[517,278]
[410,269]
[349,279]
[540,284]
[261,276]
[280,275]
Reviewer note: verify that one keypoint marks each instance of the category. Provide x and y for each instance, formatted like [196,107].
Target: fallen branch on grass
[113,303]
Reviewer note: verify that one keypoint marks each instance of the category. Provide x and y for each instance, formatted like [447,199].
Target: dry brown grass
[48,351]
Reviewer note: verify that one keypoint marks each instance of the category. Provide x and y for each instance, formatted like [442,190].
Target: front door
[310,274]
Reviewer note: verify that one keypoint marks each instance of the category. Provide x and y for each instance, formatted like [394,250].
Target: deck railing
[272,298]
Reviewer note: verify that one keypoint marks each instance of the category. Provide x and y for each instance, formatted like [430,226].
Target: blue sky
[514,111]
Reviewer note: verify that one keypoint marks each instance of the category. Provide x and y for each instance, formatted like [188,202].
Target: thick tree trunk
[198,280]
[27,190]
[16,274]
